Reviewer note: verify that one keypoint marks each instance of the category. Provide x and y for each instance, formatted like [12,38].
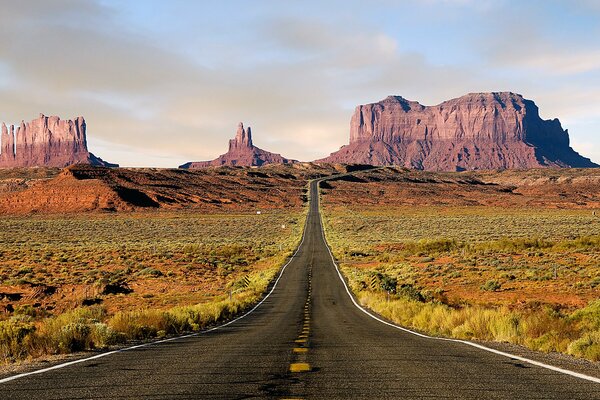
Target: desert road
[306,340]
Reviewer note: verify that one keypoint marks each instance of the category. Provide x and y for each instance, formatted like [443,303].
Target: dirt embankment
[84,188]
[392,186]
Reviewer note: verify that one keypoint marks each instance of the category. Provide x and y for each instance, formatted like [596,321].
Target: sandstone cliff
[46,141]
[242,152]
[476,131]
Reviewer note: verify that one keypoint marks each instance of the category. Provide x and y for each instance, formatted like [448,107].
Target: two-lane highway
[306,340]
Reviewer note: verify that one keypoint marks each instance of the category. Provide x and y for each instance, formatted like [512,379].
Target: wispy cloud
[173,89]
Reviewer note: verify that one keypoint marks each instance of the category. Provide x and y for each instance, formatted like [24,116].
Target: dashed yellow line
[299,367]
[300,350]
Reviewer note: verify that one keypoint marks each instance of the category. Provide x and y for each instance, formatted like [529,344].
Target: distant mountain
[241,153]
[47,142]
[477,131]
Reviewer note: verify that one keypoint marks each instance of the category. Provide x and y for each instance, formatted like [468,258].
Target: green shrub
[71,331]
[14,339]
[491,286]
[410,292]
[588,346]
[74,337]
[150,271]
[588,317]
[103,335]
[387,283]
[26,309]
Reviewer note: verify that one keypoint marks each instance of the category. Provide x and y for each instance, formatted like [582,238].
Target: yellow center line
[300,350]
[299,367]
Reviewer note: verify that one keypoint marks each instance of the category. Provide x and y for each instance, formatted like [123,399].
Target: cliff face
[476,131]
[242,152]
[47,141]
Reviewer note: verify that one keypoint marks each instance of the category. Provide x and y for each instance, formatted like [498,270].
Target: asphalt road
[307,340]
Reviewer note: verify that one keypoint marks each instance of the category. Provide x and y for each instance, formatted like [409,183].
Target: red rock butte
[473,132]
[47,142]
[242,152]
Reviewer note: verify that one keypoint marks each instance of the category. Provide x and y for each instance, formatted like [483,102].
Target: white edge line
[479,346]
[108,353]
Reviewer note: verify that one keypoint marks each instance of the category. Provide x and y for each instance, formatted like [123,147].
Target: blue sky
[165,82]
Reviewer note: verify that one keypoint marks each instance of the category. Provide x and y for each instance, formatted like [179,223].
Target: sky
[161,83]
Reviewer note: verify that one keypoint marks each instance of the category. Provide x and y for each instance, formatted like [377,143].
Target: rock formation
[47,142]
[476,131]
[242,152]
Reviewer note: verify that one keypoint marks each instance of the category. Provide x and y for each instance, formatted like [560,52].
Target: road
[306,340]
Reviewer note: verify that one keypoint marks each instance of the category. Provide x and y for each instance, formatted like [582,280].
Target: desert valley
[506,249]
[299,200]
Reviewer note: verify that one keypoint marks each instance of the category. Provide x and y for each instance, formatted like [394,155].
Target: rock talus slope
[242,152]
[47,141]
[477,131]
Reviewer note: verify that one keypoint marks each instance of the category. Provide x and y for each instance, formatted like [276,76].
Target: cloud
[576,62]
[586,5]
[527,48]
[557,40]
[174,92]
[142,96]
[138,95]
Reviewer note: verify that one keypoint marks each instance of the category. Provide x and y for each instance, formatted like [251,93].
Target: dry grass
[525,276]
[77,283]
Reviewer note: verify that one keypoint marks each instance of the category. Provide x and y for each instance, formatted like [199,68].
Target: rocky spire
[46,141]
[243,138]
[242,153]
[7,152]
